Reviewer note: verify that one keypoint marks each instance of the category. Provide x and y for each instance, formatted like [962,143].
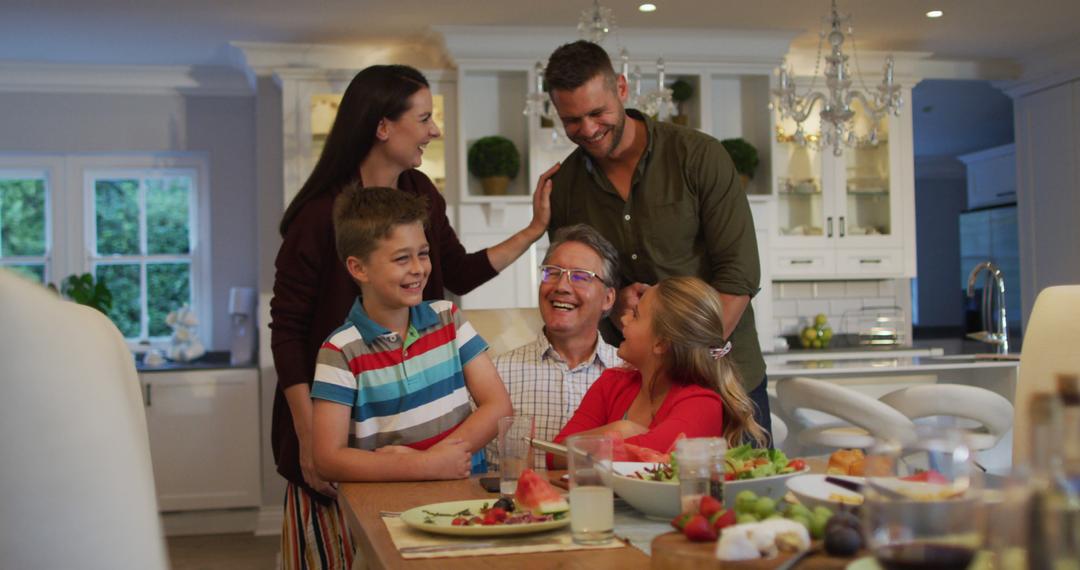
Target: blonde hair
[689,319]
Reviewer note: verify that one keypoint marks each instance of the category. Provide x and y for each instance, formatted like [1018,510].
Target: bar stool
[992,411]
[862,418]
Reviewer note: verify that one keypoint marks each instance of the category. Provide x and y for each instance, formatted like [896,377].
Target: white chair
[993,412]
[76,487]
[505,329]
[779,431]
[863,417]
[1050,347]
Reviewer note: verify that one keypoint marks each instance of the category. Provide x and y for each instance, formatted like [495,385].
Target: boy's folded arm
[492,402]
[336,461]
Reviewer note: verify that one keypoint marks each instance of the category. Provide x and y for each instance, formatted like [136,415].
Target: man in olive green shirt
[666,196]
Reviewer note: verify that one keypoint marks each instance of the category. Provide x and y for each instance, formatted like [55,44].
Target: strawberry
[709,506]
[722,519]
[698,530]
[680,521]
[498,513]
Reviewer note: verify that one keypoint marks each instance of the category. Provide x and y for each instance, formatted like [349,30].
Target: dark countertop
[953,341]
[210,361]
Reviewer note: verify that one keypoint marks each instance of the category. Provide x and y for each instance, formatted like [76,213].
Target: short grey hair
[589,237]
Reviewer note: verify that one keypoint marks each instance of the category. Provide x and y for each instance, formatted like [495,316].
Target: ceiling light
[935,14]
[647,7]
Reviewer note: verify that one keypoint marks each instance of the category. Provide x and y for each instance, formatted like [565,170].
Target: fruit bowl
[660,499]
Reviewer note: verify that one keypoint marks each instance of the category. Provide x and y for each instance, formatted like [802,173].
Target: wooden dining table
[364,502]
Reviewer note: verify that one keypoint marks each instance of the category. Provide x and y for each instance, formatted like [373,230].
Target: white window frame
[51,168]
[71,229]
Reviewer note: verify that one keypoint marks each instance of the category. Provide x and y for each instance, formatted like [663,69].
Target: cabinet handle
[1003,194]
[874,260]
[801,261]
[148,397]
[841,226]
[828,225]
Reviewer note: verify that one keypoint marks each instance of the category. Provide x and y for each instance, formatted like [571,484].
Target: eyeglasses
[582,277]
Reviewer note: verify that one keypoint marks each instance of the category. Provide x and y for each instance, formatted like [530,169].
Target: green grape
[745,501]
[817,528]
[803,520]
[822,513]
[800,510]
[764,507]
[749,518]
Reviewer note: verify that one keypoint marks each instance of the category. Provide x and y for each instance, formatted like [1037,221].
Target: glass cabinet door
[801,204]
[324,107]
[866,209]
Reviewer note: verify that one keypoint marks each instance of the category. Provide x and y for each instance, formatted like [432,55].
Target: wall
[223,127]
[795,303]
[938,204]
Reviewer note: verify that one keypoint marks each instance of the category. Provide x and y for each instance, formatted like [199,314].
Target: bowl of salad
[653,488]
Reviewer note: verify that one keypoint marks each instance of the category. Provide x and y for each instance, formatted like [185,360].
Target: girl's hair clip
[718,352]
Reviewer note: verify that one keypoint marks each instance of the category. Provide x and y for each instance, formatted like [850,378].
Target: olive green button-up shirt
[686,214]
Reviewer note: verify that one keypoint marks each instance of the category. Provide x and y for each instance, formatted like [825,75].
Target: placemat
[412,543]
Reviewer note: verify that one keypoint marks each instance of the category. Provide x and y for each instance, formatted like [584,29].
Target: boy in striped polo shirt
[397,378]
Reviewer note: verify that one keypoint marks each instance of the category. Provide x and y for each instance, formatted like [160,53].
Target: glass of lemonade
[515,453]
[592,502]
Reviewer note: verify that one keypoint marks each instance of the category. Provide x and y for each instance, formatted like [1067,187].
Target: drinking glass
[515,453]
[923,505]
[592,502]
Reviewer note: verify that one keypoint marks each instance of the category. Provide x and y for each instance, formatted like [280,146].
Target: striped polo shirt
[407,391]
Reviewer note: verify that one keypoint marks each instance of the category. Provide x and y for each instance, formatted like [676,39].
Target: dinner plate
[418,519]
[983,561]
[814,491]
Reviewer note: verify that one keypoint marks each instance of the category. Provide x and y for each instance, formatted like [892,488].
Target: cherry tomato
[460,521]
[797,464]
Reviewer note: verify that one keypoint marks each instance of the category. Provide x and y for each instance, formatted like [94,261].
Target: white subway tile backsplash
[880,302]
[786,308]
[788,326]
[829,290]
[808,308]
[840,307]
[796,290]
[862,289]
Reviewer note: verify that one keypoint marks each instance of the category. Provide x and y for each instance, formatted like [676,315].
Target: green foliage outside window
[22,224]
[116,209]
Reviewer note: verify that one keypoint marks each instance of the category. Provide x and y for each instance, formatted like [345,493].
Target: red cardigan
[689,409]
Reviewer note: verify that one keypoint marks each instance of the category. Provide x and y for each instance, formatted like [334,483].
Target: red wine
[924,556]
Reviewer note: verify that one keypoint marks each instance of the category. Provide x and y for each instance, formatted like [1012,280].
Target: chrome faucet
[994,280]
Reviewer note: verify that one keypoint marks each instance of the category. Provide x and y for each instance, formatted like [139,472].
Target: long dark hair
[378,92]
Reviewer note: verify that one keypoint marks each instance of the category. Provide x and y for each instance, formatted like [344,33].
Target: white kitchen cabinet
[204,437]
[846,217]
[991,176]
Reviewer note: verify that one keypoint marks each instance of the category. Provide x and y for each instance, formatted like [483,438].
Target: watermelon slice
[537,495]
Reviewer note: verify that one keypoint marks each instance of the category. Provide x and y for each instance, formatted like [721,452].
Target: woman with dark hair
[383,124]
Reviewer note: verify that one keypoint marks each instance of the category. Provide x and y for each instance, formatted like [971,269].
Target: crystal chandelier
[837,115]
[595,25]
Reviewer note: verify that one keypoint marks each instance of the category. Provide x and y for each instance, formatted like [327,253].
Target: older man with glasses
[548,377]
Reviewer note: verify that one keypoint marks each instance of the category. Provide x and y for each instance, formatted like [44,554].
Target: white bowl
[661,499]
[814,491]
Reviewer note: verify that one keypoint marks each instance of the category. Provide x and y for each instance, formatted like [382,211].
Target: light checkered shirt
[541,385]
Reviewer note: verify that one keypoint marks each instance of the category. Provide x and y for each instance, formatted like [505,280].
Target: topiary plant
[494,156]
[743,154]
[681,91]
[83,290]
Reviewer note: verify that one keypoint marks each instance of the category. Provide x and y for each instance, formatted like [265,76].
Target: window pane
[116,208]
[123,282]
[22,217]
[35,271]
[167,216]
[168,287]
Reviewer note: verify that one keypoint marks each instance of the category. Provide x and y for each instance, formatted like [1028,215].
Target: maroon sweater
[313,293]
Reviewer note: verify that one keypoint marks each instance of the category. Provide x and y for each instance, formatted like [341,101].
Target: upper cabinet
[848,216]
[991,176]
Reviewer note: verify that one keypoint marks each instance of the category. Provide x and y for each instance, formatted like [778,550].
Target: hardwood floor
[223,552]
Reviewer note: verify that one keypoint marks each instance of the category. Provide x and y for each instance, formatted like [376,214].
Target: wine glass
[923,505]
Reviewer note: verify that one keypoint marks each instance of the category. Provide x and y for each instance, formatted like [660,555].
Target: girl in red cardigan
[681,382]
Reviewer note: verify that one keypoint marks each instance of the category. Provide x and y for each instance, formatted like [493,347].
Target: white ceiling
[198,31]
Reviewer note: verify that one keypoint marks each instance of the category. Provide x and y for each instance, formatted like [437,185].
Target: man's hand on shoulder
[627,298]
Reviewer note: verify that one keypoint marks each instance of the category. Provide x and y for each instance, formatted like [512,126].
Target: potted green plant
[83,290]
[681,92]
[744,155]
[495,161]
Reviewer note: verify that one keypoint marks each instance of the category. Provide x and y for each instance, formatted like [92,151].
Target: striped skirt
[314,536]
